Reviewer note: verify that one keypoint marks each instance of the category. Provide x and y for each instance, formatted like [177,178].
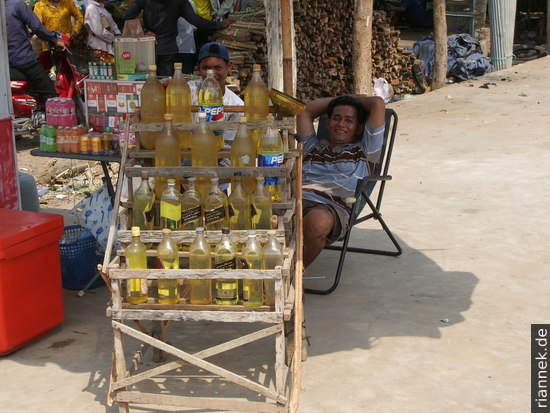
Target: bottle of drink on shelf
[251,258]
[260,208]
[167,253]
[215,207]
[136,259]
[210,100]
[167,153]
[191,207]
[243,153]
[225,257]
[199,259]
[272,256]
[170,207]
[239,206]
[153,106]
[178,103]
[144,200]
[203,152]
[270,154]
[256,101]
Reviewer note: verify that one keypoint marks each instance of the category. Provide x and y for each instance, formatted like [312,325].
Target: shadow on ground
[380,296]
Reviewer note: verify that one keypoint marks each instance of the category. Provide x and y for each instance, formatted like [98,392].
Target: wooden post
[287,26]
[440,39]
[362,47]
[547,24]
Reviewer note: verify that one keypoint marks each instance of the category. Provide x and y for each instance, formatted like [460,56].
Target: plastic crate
[80,255]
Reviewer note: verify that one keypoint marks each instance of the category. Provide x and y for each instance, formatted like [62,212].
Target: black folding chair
[362,197]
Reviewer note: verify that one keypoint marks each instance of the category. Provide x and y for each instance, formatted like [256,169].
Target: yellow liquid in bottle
[153,107]
[261,208]
[215,210]
[170,209]
[191,210]
[178,103]
[167,252]
[136,258]
[199,258]
[227,291]
[203,153]
[253,291]
[142,212]
[167,153]
[256,102]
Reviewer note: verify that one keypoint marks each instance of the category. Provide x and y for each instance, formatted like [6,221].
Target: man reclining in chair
[333,167]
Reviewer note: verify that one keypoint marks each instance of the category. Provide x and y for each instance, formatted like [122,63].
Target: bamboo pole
[287,25]
[362,47]
[440,39]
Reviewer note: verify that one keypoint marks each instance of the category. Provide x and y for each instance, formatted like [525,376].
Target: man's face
[343,125]
[220,67]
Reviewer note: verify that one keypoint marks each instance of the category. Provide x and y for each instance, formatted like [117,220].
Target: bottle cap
[178,66]
[238,175]
[166,231]
[145,175]
[243,119]
[270,118]
[202,116]
[135,231]
[210,72]
[168,116]
[256,68]
[214,180]
[199,229]
[225,231]
[260,178]
[272,232]
[192,179]
[171,181]
[152,68]
[251,232]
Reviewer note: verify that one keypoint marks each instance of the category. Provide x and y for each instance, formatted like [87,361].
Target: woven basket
[79,258]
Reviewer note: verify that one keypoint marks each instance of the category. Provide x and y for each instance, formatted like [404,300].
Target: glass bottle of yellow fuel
[203,152]
[270,154]
[170,207]
[256,102]
[243,153]
[136,259]
[178,103]
[225,257]
[144,201]
[272,256]
[153,106]
[215,207]
[239,206]
[167,153]
[167,253]
[191,207]
[260,207]
[199,259]
[251,258]
[210,100]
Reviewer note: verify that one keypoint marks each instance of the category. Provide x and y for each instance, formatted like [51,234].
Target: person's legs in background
[165,64]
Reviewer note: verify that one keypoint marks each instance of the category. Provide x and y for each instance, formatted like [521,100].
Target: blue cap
[214,49]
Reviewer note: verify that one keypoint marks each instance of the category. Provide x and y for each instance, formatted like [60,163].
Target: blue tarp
[464,58]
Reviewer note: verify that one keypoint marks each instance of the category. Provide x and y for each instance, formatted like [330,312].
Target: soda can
[95,145]
[85,144]
[105,141]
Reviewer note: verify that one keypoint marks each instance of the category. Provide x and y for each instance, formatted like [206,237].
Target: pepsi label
[213,113]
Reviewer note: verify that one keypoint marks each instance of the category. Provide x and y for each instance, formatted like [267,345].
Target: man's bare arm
[313,110]
[376,109]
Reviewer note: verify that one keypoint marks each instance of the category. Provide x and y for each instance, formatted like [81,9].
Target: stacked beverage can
[61,112]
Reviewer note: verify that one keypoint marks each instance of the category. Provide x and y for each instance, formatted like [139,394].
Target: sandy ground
[443,328]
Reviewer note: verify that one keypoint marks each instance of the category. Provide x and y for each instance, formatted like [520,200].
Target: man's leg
[165,64]
[42,85]
[318,224]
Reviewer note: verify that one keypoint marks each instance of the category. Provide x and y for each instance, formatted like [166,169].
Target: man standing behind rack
[160,17]
[215,56]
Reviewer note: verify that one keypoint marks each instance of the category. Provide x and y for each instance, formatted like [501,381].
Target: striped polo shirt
[330,174]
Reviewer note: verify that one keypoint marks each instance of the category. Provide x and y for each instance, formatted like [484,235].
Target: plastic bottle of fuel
[136,259]
[271,154]
[256,101]
[210,100]
[178,103]
[167,153]
[153,106]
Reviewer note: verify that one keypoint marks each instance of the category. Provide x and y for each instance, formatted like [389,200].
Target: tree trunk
[362,47]
[440,39]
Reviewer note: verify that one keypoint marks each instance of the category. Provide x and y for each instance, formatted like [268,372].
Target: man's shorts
[340,220]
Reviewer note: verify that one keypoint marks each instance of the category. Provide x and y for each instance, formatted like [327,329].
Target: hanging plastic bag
[383,89]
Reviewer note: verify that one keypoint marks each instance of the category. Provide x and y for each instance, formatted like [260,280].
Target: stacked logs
[246,42]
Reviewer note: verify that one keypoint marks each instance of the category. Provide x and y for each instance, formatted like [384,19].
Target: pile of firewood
[246,41]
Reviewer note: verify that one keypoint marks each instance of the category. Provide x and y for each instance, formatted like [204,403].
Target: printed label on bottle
[246,295]
[231,210]
[226,265]
[213,113]
[148,216]
[191,215]
[214,215]
[171,224]
[253,210]
[226,294]
[170,212]
[244,264]
[271,161]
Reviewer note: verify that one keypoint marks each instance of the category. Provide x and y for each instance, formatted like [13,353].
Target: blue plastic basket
[79,258]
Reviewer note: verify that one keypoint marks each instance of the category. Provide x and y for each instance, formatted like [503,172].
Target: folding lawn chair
[362,197]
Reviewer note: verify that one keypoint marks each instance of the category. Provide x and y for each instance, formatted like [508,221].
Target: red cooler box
[31,297]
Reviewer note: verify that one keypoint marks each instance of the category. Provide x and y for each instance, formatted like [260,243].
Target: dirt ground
[67,181]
